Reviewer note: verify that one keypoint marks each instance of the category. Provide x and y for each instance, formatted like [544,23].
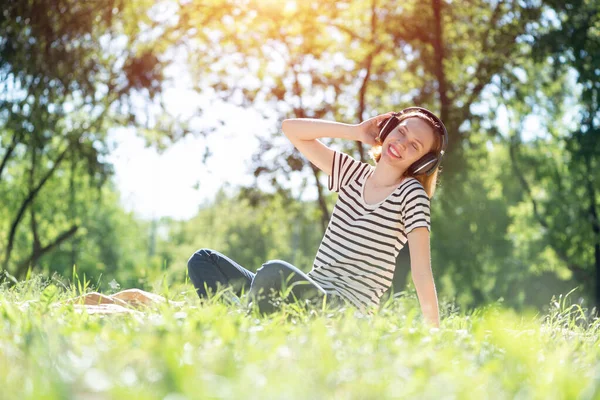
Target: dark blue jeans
[208,268]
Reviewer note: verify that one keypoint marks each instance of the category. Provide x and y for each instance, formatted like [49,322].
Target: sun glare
[289,6]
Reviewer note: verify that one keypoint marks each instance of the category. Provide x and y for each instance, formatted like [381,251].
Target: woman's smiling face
[408,142]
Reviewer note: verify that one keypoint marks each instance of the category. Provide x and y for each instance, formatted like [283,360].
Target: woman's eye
[415,146]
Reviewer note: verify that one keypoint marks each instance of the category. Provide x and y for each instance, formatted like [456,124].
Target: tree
[561,179]
[347,61]
[64,86]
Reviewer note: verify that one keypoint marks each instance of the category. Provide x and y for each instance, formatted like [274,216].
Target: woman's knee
[267,283]
[273,270]
[200,257]
[276,274]
[272,266]
[278,277]
[268,271]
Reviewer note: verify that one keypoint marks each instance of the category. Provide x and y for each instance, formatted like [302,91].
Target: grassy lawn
[214,349]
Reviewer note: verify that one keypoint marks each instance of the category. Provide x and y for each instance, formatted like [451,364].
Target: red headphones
[430,161]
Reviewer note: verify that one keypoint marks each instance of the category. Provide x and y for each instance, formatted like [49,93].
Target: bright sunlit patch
[287,7]
[290,6]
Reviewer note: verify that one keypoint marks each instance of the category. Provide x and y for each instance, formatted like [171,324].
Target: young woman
[379,209]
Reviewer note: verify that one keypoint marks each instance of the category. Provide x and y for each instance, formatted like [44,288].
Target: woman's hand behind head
[369,129]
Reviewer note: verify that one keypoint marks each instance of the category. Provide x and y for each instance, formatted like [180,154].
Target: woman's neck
[386,176]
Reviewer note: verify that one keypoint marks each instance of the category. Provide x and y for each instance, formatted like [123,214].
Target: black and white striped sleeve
[416,209]
[343,169]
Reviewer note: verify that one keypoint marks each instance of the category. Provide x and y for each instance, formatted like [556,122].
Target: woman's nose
[399,143]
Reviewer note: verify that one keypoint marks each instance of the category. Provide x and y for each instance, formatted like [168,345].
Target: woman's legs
[209,267]
[273,276]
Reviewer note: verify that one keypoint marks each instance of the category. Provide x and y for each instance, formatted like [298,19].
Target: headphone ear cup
[386,127]
[423,165]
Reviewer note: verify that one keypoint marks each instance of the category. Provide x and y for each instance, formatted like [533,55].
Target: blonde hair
[429,182]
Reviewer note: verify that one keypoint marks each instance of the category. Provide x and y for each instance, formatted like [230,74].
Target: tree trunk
[438,46]
[35,246]
[72,208]
[316,172]
[24,205]
[368,63]
[321,199]
[595,228]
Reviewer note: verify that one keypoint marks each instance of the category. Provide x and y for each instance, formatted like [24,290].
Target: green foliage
[249,230]
[113,243]
[69,70]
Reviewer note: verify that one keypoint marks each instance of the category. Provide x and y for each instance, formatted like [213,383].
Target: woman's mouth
[393,153]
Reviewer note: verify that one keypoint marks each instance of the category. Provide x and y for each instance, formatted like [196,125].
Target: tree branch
[483,64]
[22,268]
[9,150]
[348,31]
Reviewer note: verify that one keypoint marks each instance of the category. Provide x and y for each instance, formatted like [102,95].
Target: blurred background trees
[516,213]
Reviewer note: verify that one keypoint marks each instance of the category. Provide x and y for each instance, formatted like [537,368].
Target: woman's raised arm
[304,132]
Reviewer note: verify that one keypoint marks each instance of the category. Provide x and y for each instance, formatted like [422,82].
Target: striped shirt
[357,256]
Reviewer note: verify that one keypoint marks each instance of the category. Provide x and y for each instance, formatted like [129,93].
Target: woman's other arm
[420,265]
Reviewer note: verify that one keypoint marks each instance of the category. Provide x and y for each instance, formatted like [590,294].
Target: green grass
[213,349]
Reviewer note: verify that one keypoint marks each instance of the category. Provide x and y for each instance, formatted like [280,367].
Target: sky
[154,185]
[175,182]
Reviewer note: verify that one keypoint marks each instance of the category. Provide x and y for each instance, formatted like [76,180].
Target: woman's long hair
[429,182]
